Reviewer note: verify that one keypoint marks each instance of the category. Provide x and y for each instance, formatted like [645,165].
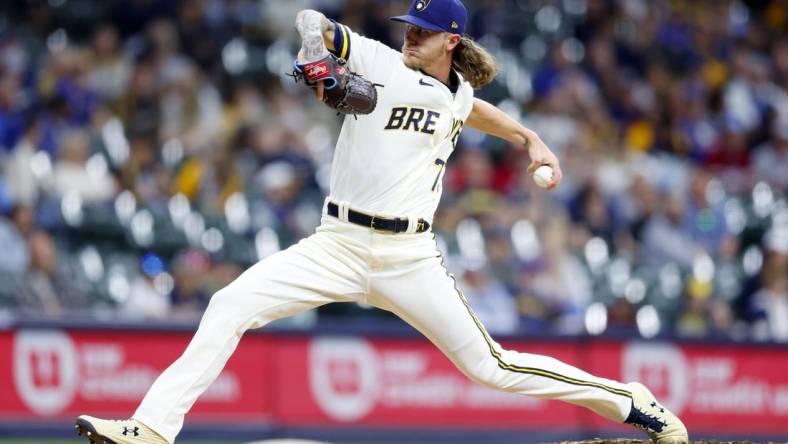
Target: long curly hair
[474,62]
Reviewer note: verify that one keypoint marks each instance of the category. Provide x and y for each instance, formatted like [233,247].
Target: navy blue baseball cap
[436,15]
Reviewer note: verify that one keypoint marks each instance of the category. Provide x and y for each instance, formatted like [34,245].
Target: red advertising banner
[356,381]
[388,383]
[733,389]
[56,374]
[385,382]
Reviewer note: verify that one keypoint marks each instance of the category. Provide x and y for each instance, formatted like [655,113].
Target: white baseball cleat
[648,415]
[129,431]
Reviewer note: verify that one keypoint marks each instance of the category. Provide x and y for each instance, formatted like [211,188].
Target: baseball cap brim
[415,21]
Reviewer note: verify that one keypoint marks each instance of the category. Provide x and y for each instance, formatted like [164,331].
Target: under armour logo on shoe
[134,431]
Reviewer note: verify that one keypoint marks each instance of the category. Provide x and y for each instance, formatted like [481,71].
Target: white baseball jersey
[391,162]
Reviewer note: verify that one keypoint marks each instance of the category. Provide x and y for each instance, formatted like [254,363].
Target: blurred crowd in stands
[150,150]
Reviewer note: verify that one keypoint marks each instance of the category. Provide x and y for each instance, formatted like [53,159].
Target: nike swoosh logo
[422,82]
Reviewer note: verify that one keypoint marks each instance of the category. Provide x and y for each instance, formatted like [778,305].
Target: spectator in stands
[591,209]
[704,220]
[188,298]
[55,120]
[473,171]
[741,98]
[69,71]
[168,63]
[200,37]
[665,238]
[138,108]
[110,71]
[14,233]
[637,206]
[50,287]
[284,207]
[555,284]
[771,301]
[573,287]
[191,109]
[731,151]
[11,108]
[721,318]
[621,316]
[73,174]
[502,262]
[142,174]
[694,320]
[490,300]
[147,299]
[23,175]
[771,158]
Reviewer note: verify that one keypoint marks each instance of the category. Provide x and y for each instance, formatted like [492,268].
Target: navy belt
[396,225]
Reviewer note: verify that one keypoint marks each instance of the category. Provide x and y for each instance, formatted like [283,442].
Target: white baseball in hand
[543,175]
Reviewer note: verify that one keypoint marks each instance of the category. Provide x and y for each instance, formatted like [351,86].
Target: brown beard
[411,62]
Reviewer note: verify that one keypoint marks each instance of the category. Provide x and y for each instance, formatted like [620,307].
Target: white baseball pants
[402,273]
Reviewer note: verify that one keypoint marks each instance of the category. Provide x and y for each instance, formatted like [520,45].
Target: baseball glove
[345,91]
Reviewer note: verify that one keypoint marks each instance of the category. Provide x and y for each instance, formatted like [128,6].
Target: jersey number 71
[456,128]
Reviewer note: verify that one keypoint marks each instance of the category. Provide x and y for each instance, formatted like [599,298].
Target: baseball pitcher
[404,111]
